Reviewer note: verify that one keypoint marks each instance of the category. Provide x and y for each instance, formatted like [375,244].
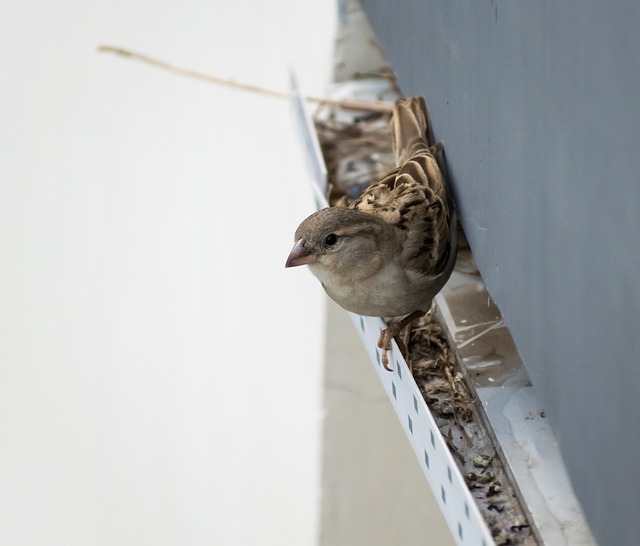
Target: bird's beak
[300,255]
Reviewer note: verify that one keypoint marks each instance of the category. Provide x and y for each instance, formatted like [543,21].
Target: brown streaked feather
[411,128]
[413,197]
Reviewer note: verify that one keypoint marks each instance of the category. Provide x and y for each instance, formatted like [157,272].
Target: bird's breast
[388,293]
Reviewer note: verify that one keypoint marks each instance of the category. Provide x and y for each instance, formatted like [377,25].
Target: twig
[351,104]
[452,383]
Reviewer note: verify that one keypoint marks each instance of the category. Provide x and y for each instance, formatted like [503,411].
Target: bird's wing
[412,199]
[413,196]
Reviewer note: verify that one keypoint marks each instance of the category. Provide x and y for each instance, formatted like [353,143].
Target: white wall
[159,369]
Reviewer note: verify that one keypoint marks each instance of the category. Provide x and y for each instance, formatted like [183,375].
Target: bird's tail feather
[411,128]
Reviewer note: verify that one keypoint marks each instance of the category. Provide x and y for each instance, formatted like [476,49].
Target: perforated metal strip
[447,483]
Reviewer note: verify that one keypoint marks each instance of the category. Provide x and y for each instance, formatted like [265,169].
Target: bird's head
[340,242]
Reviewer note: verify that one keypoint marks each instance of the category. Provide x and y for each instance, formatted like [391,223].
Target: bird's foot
[391,331]
[384,343]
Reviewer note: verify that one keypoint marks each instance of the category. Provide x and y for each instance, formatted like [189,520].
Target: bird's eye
[331,239]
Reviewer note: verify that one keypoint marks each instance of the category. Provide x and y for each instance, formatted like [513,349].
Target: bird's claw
[384,343]
[391,331]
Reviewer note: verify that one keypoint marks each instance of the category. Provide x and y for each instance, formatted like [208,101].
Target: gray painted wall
[538,105]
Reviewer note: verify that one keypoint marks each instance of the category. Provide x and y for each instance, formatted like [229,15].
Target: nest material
[356,154]
[453,406]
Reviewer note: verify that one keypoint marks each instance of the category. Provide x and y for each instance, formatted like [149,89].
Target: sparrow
[393,248]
